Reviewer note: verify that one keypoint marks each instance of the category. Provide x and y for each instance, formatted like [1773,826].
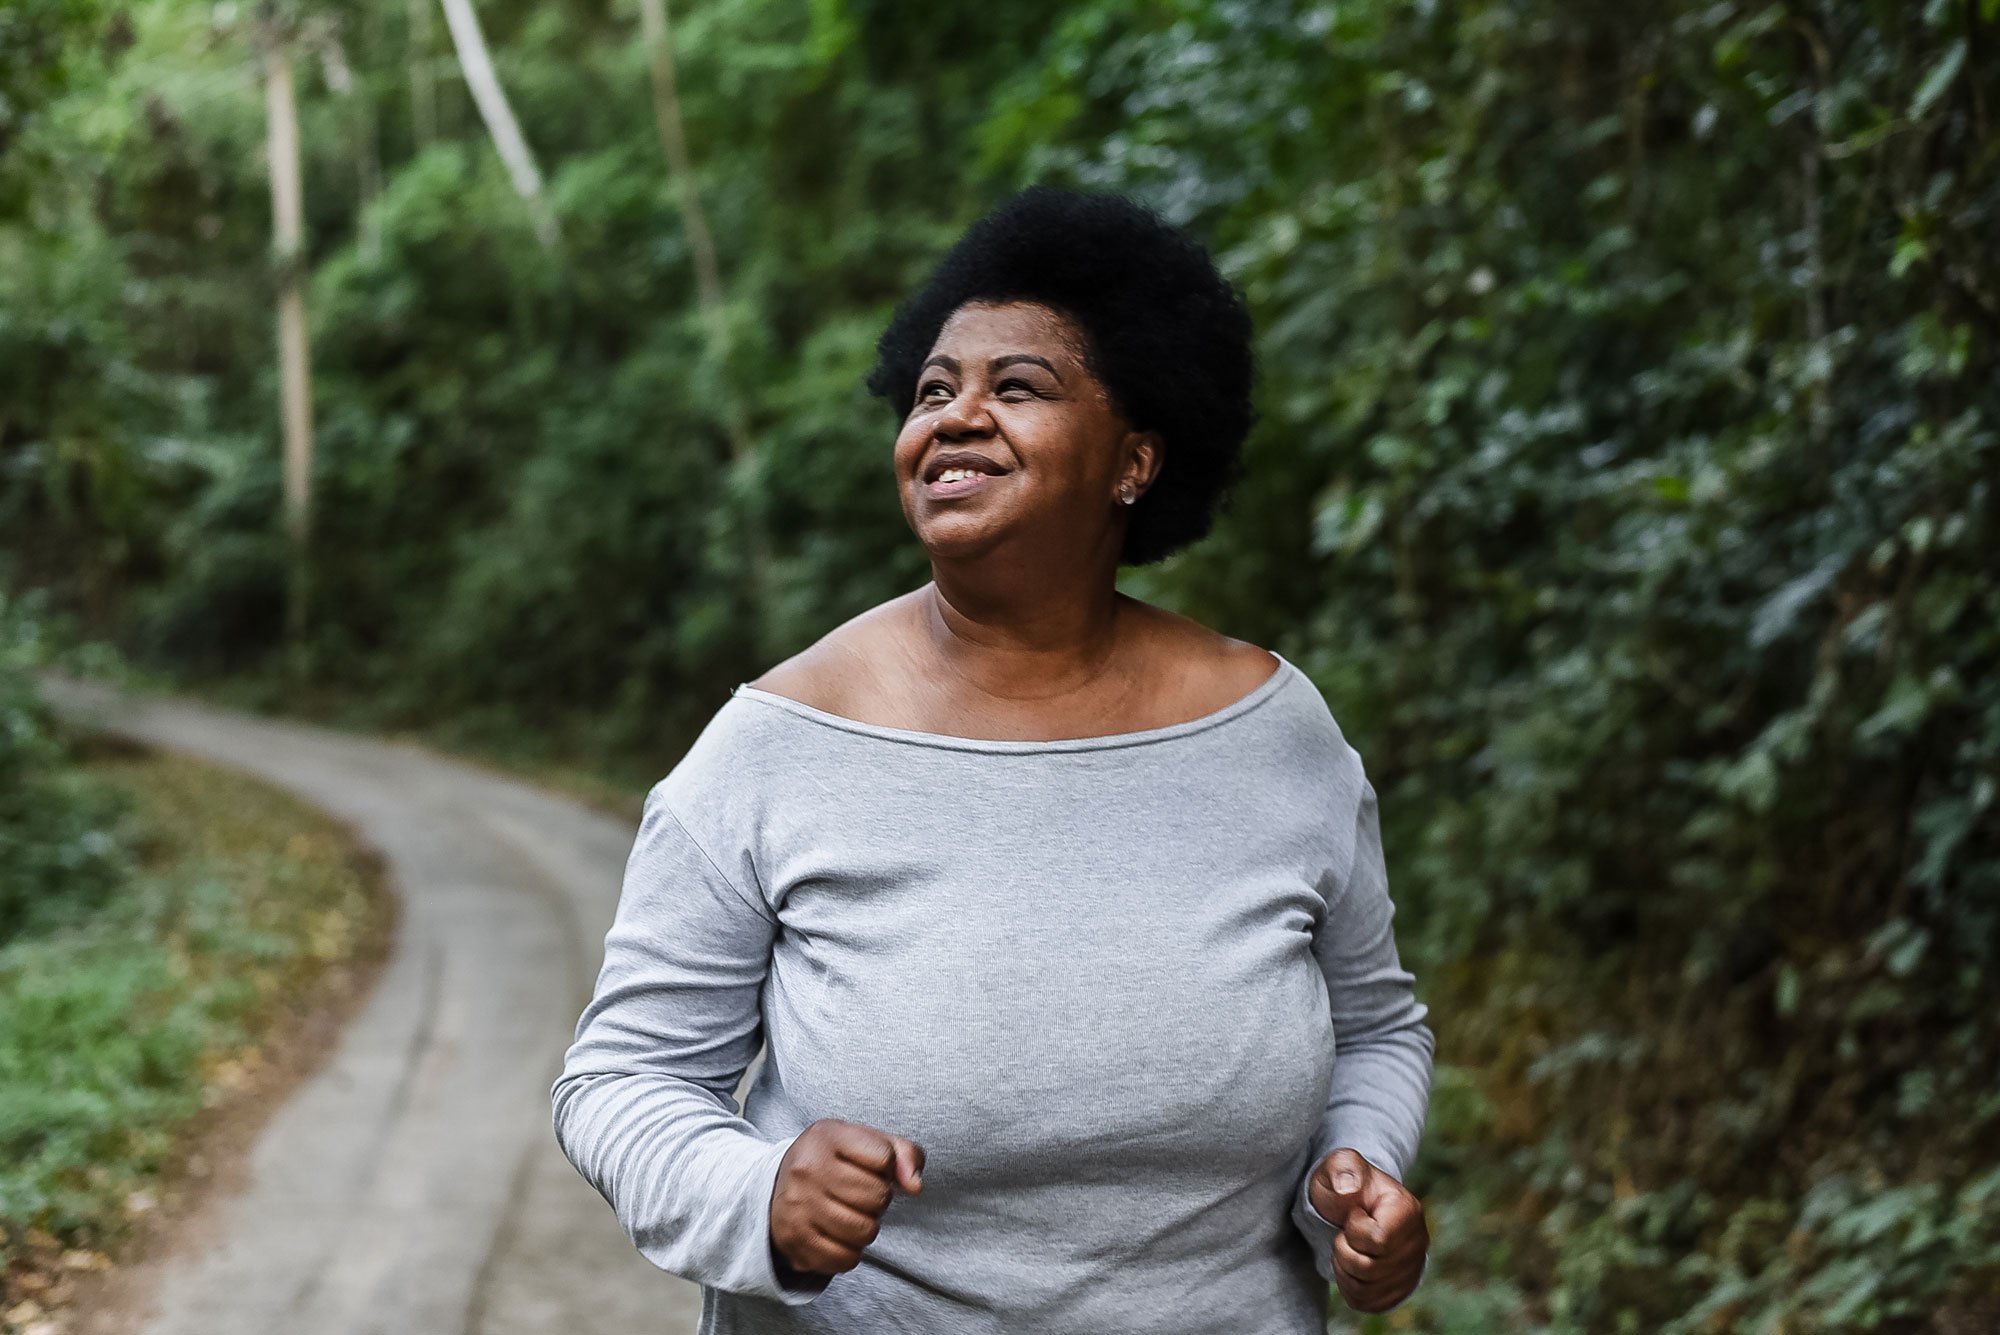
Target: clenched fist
[1378,1252]
[834,1184]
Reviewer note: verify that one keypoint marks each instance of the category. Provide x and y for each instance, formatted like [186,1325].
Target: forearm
[1377,1107]
[1380,1092]
[689,1181]
[1380,1097]
[643,1106]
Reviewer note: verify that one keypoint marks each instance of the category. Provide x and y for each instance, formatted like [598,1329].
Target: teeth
[954,474]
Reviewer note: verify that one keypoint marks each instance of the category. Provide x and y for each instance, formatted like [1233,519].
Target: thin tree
[491,99]
[367,151]
[423,80]
[294,353]
[656,28]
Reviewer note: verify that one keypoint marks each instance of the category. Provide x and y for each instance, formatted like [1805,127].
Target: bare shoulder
[843,666]
[1242,666]
[1208,669]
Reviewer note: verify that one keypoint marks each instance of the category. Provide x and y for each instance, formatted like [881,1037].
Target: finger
[827,1256]
[1366,1234]
[1360,1265]
[1399,1273]
[1400,1217]
[1373,1295]
[857,1187]
[1381,1188]
[909,1157]
[1337,1184]
[1361,1295]
[1375,1298]
[845,1225]
[863,1146]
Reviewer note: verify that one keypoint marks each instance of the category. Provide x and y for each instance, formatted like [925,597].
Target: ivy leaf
[1909,251]
[1934,84]
[1346,521]
[1782,608]
[1787,994]
[1907,704]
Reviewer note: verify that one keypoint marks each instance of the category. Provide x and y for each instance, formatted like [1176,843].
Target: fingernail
[1346,1182]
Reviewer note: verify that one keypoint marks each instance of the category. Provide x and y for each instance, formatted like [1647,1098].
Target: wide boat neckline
[1236,708]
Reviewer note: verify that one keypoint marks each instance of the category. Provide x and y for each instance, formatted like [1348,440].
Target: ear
[1145,453]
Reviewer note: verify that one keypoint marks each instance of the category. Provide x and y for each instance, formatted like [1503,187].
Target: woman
[1050,906]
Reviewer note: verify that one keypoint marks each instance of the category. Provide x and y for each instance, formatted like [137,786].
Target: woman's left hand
[1379,1250]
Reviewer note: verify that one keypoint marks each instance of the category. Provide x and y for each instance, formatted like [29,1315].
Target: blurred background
[1625,476]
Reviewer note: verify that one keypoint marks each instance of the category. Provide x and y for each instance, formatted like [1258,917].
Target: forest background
[1625,476]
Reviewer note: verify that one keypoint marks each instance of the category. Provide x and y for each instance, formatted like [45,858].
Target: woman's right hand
[834,1184]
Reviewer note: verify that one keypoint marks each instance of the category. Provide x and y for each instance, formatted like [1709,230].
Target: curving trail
[412,1186]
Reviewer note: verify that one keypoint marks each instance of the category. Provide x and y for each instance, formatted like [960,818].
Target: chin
[954,540]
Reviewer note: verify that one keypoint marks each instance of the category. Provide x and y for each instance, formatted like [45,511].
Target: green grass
[117,1029]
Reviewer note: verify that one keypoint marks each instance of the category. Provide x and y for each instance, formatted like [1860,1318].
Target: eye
[1006,385]
[925,392]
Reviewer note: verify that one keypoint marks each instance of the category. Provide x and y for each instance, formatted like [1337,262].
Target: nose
[964,417]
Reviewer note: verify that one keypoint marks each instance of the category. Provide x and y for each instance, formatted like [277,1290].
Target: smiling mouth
[954,482]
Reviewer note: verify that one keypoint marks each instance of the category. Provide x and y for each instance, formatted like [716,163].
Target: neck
[1019,638]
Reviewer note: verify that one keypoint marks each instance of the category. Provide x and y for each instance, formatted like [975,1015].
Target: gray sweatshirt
[1100,980]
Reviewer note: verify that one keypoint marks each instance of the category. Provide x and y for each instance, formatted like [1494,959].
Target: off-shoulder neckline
[1235,709]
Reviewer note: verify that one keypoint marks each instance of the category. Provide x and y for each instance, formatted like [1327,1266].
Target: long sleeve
[645,1107]
[1380,1093]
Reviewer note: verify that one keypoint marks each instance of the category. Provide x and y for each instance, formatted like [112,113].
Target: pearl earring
[1125,495]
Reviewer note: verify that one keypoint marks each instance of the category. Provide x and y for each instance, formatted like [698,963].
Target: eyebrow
[1011,359]
[1016,358]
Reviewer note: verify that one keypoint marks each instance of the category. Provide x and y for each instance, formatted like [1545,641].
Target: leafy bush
[124,1022]
[59,859]
[1626,479]
[1629,481]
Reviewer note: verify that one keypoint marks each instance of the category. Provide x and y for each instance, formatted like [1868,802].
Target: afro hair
[1166,335]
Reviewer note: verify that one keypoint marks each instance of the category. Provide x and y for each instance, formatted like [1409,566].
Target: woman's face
[1011,437]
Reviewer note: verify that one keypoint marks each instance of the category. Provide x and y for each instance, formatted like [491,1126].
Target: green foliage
[1655,514]
[1626,477]
[85,1085]
[114,1025]
[58,863]
[41,44]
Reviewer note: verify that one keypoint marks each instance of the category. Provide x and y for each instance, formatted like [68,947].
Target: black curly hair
[1166,335]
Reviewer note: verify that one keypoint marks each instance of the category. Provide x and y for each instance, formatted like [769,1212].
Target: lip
[947,459]
[958,487]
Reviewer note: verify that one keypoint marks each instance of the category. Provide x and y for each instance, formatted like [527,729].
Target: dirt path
[412,1186]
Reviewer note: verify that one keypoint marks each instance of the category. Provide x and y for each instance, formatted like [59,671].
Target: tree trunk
[423,80]
[367,140]
[294,355]
[657,31]
[653,23]
[499,117]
